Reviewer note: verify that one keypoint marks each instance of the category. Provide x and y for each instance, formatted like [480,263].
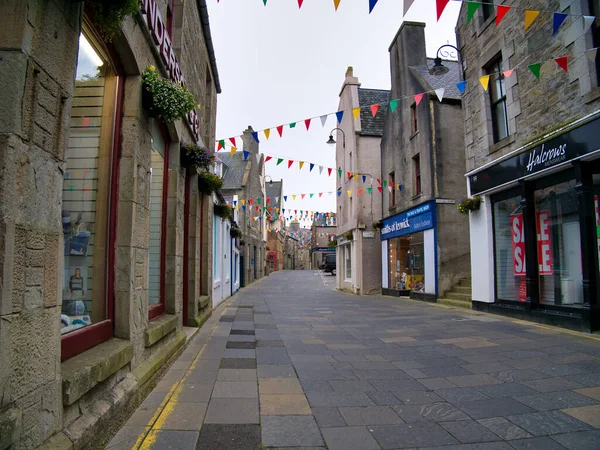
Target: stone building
[290,255]
[245,178]
[424,239]
[275,226]
[532,158]
[103,234]
[359,205]
[320,242]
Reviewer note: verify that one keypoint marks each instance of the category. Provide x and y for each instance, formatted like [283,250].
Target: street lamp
[332,142]
[439,68]
[270,179]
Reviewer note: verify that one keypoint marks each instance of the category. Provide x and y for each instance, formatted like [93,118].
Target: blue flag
[557,20]
[311,167]
[340,116]
[339,193]
[364,178]
[285,198]
[246,154]
[461,86]
[255,136]
[372,4]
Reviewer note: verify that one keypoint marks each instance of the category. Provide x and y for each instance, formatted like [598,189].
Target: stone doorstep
[202,317]
[84,371]
[159,328]
[203,302]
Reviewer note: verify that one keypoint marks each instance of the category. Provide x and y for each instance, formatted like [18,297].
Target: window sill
[159,328]
[501,144]
[84,371]
[594,94]
[486,24]
[417,197]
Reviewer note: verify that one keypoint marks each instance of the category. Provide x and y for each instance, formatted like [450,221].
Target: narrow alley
[289,362]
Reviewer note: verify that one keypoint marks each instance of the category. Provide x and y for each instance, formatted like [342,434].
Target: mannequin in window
[76,283]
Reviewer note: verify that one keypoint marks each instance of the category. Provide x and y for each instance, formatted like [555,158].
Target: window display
[406,263]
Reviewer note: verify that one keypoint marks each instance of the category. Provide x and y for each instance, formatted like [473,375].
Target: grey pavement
[289,362]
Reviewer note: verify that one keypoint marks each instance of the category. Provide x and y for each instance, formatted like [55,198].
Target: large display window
[407,262]
[86,314]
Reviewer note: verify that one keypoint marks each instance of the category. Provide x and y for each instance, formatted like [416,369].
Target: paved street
[289,362]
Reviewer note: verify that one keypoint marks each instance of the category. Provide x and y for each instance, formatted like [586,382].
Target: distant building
[321,243]
[275,226]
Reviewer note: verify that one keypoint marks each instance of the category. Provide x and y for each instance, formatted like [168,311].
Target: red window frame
[158,310]
[417,164]
[85,338]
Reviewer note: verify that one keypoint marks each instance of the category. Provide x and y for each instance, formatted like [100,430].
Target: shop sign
[323,249]
[408,222]
[573,144]
[544,245]
[368,234]
[160,36]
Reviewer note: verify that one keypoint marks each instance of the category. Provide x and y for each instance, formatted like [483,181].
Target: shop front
[535,242]
[408,243]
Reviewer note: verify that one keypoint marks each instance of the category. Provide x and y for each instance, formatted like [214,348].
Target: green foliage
[235,232]
[108,15]
[195,157]
[224,211]
[378,225]
[164,98]
[209,182]
[470,204]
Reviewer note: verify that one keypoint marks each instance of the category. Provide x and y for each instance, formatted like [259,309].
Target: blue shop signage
[420,218]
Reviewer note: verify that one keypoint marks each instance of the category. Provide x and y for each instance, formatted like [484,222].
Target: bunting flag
[340,173]
[508,73]
[307,123]
[246,154]
[364,178]
[293,125]
[300,164]
[587,22]
[461,86]
[321,170]
[530,16]
[300,3]
[407,5]
[279,161]
[339,193]
[232,140]
[440,6]
[221,144]
[336,3]
[349,175]
[374,109]
[255,136]
[340,116]
[440,93]
[268,158]
[311,195]
[280,130]
[311,167]
[243,202]
[557,21]
[355,112]
[394,103]
[355,177]
[369,190]
[485,81]
[359,191]
[591,53]
[418,98]
[302,196]
[372,4]
[323,119]
[563,63]
[320,194]
[380,189]
[501,11]
[328,171]
[267,133]
[290,162]
[535,69]
[472,7]
[349,192]
[284,199]
[232,151]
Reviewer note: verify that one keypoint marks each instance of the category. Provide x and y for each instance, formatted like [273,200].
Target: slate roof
[233,172]
[372,126]
[274,193]
[447,81]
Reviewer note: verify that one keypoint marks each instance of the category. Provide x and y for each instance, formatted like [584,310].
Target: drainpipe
[434,181]
[202,195]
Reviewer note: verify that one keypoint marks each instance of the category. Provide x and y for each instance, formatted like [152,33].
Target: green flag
[293,125]
[535,69]
[340,173]
[279,161]
[369,190]
[393,105]
[471,8]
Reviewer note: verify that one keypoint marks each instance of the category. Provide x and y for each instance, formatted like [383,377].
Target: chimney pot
[350,71]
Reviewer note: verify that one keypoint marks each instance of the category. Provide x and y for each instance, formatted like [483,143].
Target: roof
[274,193]
[372,126]
[447,81]
[233,172]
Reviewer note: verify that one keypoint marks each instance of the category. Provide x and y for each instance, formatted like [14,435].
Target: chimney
[350,79]
[250,144]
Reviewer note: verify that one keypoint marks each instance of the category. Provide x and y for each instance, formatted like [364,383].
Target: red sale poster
[518,244]
[544,246]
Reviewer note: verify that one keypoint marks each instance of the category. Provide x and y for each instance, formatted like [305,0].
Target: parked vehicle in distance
[329,266]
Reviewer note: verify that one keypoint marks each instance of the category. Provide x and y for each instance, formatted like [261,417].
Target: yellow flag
[356,112]
[336,3]
[243,202]
[233,149]
[301,163]
[349,192]
[294,197]
[530,16]
[267,133]
[355,176]
[485,81]
[277,210]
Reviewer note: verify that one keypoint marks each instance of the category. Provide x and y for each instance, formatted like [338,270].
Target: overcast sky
[279,64]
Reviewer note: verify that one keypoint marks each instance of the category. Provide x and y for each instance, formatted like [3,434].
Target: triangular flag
[340,173]
[255,136]
[587,23]
[232,140]
[290,162]
[374,109]
[440,5]
[591,53]
[232,151]
[407,5]
[355,112]
[379,188]
[279,161]
[535,69]
[471,8]
[349,175]
[294,197]
[384,183]
[369,190]
[323,119]
[562,62]
[355,176]
[500,13]
[284,199]
[364,178]
[243,202]
[378,181]
[372,4]
[328,170]
[246,154]
[320,194]
[280,130]
[221,144]
[293,125]
[300,164]
[340,116]
[268,158]
[321,170]
[390,189]
[311,195]
[485,82]
[300,3]
[530,16]
[302,195]
[250,201]
[244,207]
[259,200]
[336,3]
[440,93]
[265,2]
[257,157]
[557,20]
[307,123]
[461,86]
[339,193]
[311,167]
[359,191]
[349,192]
[418,98]
[508,73]
[394,103]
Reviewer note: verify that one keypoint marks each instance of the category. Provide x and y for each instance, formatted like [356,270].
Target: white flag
[591,53]
[258,157]
[440,93]
[323,119]
[320,170]
[276,199]
[587,22]
[407,5]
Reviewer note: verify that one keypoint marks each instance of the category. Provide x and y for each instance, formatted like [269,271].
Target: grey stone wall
[534,107]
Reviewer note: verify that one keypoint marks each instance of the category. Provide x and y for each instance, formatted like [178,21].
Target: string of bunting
[336,4]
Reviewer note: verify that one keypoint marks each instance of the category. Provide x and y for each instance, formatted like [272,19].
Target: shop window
[413,117]
[406,263]
[86,315]
[487,9]
[417,172]
[559,244]
[509,249]
[497,92]
[347,261]
[392,183]
[595,31]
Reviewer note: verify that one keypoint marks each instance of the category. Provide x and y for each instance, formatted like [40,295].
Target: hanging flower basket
[235,233]
[108,15]
[470,204]
[378,225]
[164,98]
[194,157]
[209,182]
[223,210]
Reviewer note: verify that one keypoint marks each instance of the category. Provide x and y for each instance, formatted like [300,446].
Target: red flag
[220,146]
[329,169]
[563,62]
[307,123]
[359,191]
[440,5]
[300,3]
[379,188]
[418,98]
[280,130]
[232,140]
[501,12]
[303,196]
[349,175]
[267,158]
[320,194]
[250,200]
[374,109]
[378,181]
[290,162]
[268,199]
